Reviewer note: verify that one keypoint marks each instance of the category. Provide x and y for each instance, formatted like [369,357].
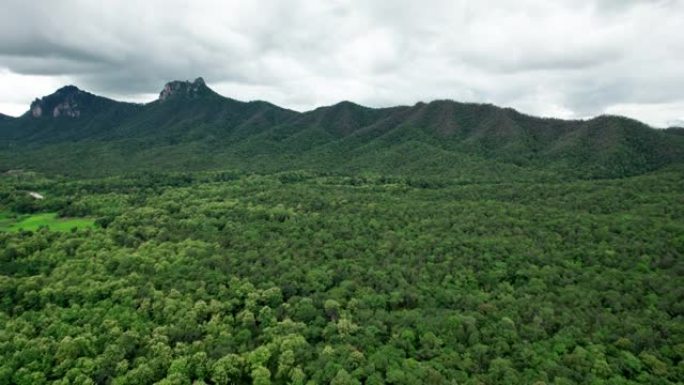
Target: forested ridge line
[75,133]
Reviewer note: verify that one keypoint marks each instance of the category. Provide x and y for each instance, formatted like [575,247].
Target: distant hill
[675,130]
[68,114]
[191,127]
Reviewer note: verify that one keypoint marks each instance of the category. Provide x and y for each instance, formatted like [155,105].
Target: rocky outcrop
[183,89]
[36,109]
[66,109]
[64,102]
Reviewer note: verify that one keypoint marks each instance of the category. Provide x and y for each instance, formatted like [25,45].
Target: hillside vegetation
[191,127]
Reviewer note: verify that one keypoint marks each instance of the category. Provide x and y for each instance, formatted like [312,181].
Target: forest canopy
[310,278]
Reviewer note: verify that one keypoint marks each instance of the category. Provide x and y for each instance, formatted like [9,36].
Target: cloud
[653,112]
[17,91]
[566,58]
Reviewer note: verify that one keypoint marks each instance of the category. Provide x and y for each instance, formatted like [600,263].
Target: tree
[344,378]
[261,376]
[227,370]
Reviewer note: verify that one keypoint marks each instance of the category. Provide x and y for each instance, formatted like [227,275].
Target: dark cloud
[568,58]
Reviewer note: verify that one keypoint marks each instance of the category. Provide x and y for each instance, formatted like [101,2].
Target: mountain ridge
[206,90]
[190,126]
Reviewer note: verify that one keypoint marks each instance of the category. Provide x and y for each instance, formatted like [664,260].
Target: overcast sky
[561,58]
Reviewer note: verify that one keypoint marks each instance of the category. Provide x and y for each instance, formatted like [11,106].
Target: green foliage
[429,143]
[306,278]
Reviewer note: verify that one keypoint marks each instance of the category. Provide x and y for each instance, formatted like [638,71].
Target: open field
[8,222]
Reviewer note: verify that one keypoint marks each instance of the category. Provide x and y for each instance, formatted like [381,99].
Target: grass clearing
[36,221]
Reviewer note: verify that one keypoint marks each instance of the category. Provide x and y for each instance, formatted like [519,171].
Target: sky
[561,58]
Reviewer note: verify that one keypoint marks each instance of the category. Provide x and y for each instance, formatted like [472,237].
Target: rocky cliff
[66,101]
[184,89]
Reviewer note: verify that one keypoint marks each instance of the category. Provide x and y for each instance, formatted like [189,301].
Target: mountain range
[191,127]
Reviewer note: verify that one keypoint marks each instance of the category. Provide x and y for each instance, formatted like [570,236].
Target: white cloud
[17,91]
[659,114]
[566,58]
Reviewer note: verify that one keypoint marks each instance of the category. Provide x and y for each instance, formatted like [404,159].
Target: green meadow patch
[8,222]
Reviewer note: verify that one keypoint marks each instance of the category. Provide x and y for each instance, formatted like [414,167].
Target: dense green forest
[303,277]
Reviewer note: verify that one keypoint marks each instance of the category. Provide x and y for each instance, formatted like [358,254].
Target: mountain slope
[674,130]
[188,111]
[191,127]
[69,114]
